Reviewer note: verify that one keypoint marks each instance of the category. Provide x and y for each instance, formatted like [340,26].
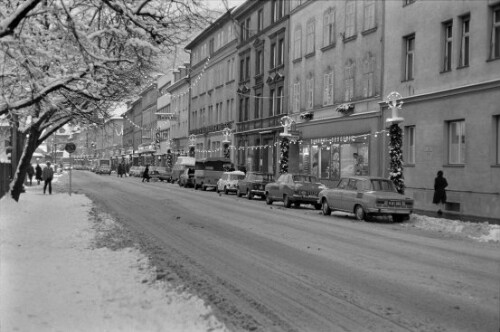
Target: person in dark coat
[38,173]
[31,172]
[145,174]
[440,184]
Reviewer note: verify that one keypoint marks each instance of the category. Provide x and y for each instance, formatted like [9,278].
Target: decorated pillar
[286,122]
[395,141]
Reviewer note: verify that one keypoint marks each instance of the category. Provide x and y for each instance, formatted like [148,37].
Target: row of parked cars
[364,196]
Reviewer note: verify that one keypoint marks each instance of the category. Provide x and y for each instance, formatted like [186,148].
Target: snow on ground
[53,276]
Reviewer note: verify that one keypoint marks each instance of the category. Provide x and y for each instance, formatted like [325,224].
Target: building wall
[436,98]
[339,58]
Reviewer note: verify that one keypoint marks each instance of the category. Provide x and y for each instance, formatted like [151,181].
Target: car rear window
[382,185]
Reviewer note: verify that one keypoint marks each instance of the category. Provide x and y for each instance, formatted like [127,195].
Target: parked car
[181,164]
[208,171]
[229,181]
[366,196]
[254,184]
[186,179]
[163,174]
[104,169]
[294,189]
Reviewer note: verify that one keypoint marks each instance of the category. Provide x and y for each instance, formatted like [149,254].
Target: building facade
[263,52]
[335,87]
[447,69]
[213,90]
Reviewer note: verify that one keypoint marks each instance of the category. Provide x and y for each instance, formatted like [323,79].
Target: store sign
[334,139]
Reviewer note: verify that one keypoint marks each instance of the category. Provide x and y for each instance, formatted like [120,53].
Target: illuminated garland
[396,157]
[285,147]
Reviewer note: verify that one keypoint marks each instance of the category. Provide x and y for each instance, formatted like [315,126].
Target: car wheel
[359,213]
[225,191]
[398,217]
[325,208]
[249,194]
[317,206]
[269,200]
[287,202]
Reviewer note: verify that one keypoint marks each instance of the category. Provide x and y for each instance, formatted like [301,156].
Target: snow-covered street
[58,273]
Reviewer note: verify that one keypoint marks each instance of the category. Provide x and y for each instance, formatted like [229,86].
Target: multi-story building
[213,89]
[128,135]
[177,137]
[335,80]
[447,69]
[147,150]
[262,82]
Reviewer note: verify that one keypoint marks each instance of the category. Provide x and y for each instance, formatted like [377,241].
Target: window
[409,58]
[448,45]
[329,27]
[408,2]
[296,97]
[497,133]
[456,142]
[278,10]
[273,55]
[410,144]
[279,101]
[247,28]
[272,101]
[310,93]
[247,67]
[260,20]
[328,88]
[242,70]
[297,46]
[495,33]
[463,60]
[350,19]
[259,63]
[281,52]
[369,15]
[368,75]
[349,81]
[258,105]
[310,37]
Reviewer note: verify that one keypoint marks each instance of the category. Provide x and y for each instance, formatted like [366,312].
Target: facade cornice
[465,89]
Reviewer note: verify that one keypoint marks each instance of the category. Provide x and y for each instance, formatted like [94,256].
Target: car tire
[317,206]
[269,200]
[398,217]
[325,208]
[359,212]
[286,202]
[249,195]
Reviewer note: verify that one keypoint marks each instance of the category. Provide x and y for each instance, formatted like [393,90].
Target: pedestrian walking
[31,172]
[440,184]
[47,176]
[38,173]
[145,174]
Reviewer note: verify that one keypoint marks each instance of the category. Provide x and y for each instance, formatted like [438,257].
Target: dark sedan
[294,189]
[254,184]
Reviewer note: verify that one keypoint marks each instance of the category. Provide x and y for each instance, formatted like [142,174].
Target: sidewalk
[54,276]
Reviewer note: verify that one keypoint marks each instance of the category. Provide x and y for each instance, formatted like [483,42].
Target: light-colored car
[294,189]
[366,196]
[229,181]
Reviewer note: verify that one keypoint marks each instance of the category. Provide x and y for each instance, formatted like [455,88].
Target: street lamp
[395,103]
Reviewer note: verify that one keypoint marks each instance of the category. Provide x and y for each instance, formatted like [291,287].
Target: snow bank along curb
[482,232]
[56,273]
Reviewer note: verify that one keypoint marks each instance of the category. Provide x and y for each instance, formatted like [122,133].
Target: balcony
[264,123]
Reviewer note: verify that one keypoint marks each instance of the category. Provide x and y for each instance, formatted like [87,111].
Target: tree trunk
[16,186]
